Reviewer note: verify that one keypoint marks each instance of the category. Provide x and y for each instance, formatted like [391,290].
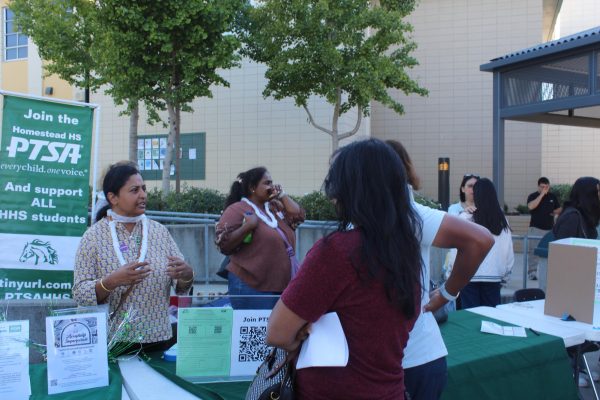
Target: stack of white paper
[14,360]
[326,346]
[490,327]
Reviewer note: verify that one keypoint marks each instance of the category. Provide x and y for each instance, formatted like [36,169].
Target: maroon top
[376,330]
[262,264]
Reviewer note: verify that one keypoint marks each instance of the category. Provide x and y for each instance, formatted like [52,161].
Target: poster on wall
[45,150]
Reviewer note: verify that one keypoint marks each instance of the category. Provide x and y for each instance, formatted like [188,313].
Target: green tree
[63,31]
[67,34]
[174,49]
[349,52]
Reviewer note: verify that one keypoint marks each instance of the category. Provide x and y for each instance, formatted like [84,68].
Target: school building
[238,128]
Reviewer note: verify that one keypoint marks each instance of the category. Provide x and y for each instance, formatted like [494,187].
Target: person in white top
[424,361]
[466,203]
[484,288]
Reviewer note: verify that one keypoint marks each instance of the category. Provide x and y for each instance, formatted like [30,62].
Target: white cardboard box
[573,280]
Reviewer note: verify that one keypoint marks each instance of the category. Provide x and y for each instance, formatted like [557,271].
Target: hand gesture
[179,269]
[545,190]
[470,209]
[129,274]
[277,191]
[436,301]
[250,220]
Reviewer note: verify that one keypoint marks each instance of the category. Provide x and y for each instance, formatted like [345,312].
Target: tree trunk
[178,155]
[133,132]
[166,177]
[334,143]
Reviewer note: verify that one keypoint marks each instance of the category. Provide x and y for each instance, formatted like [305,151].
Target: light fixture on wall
[49,91]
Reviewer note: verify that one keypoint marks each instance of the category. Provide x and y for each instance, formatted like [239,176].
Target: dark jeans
[238,288]
[480,294]
[427,381]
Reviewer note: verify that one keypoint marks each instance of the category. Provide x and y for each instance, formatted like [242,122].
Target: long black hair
[488,212]
[584,197]
[115,178]
[242,186]
[367,181]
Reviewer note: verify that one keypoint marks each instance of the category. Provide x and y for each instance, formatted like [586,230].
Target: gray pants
[533,260]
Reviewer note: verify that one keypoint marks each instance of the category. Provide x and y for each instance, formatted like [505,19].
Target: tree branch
[353,131]
[313,123]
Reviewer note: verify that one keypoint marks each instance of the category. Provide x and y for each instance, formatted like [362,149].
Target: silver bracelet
[447,295]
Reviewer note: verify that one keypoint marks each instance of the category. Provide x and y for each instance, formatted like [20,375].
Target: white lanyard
[115,240]
[271,221]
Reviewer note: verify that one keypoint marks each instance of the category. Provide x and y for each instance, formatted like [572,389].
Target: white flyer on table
[491,327]
[77,352]
[14,360]
[326,345]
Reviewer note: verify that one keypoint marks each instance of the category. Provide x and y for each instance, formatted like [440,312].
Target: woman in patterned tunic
[130,262]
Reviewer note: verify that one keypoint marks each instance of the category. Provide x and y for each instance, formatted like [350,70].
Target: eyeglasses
[469,176]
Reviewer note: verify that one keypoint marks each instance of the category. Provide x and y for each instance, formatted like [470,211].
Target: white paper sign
[192,154]
[77,352]
[490,327]
[248,334]
[326,345]
[14,360]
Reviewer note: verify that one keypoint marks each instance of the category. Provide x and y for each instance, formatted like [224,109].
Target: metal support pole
[525,260]
[206,274]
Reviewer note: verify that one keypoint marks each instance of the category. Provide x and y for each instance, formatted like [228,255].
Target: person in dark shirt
[543,206]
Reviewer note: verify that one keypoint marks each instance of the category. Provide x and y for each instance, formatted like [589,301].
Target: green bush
[561,191]
[427,202]
[192,200]
[195,200]
[522,209]
[317,205]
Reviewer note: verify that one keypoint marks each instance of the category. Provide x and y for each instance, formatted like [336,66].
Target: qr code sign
[252,343]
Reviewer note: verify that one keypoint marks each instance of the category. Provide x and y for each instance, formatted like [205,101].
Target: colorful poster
[44,192]
[77,352]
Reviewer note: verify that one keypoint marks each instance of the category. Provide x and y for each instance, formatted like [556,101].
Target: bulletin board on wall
[152,149]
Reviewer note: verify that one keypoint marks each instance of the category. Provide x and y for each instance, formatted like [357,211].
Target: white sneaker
[583,382]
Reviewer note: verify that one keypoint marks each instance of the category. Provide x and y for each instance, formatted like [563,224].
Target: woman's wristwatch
[447,295]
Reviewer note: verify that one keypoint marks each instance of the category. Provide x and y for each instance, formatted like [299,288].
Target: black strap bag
[274,378]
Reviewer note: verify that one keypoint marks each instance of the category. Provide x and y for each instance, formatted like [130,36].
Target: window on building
[15,43]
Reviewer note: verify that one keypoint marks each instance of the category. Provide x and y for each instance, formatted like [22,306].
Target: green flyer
[45,150]
[204,342]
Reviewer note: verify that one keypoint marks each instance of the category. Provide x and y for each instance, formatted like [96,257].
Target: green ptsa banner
[45,152]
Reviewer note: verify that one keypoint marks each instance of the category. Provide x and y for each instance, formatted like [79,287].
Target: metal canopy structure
[557,82]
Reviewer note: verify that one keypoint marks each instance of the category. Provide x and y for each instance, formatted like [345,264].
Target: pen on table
[536,333]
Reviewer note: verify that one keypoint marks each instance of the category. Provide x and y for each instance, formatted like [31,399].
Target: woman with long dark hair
[424,363]
[581,213]
[369,274]
[484,288]
[256,231]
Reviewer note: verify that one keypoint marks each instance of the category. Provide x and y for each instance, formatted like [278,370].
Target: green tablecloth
[480,366]
[39,386]
[484,366]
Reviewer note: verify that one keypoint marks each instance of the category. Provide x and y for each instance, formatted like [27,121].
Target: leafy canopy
[322,47]
[64,33]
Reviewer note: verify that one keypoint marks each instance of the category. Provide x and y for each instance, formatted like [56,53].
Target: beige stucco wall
[454,38]
[243,130]
[570,152]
